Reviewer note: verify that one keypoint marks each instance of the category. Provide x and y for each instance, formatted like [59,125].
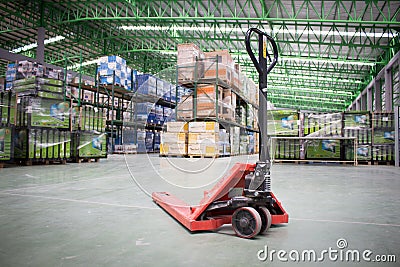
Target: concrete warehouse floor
[101,214]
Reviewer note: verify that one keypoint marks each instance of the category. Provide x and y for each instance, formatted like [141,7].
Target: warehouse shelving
[353,136]
[217,94]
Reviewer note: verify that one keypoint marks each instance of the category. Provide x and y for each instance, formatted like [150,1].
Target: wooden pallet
[80,160]
[173,155]
[203,156]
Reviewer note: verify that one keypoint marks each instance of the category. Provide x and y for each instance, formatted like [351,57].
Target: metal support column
[377,95]
[358,103]
[40,45]
[397,136]
[388,90]
[370,99]
[363,103]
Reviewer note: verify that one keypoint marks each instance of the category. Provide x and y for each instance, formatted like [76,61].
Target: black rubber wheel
[246,222]
[266,219]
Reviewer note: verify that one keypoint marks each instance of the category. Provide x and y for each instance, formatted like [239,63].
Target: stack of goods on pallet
[141,141]
[89,145]
[224,145]
[8,104]
[174,140]
[8,108]
[252,146]
[228,105]
[148,141]
[38,86]
[383,137]
[283,122]
[147,113]
[128,143]
[5,143]
[248,89]
[113,70]
[235,140]
[211,102]
[251,117]
[42,129]
[185,108]
[147,84]
[203,139]
[244,144]
[142,111]
[190,63]
[209,99]
[358,124]
[237,77]
[43,112]
[89,138]
[11,75]
[220,64]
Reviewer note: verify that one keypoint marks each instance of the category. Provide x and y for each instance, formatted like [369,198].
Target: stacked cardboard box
[185,108]
[89,144]
[5,143]
[203,139]
[174,140]
[92,118]
[235,140]
[207,98]
[211,103]
[229,105]
[8,108]
[244,141]
[43,112]
[224,145]
[190,62]
[237,82]
[41,143]
[148,84]
[249,89]
[38,86]
[25,69]
[113,70]
[219,64]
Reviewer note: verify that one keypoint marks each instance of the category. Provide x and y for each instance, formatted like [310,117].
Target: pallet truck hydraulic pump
[243,197]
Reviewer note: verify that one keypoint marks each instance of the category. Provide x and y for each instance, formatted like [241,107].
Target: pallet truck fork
[243,197]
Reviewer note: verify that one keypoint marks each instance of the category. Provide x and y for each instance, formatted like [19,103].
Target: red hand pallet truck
[243,197]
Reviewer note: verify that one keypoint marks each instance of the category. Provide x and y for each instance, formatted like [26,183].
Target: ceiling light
[312,32]
[34,45]
[179,28]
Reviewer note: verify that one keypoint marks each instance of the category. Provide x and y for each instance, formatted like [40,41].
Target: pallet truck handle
[261,65]
[263,69]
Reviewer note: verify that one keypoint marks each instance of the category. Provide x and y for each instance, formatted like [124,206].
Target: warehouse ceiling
[328,50]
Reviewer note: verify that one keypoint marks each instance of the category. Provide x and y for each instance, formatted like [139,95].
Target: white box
[203,126]
[177,126]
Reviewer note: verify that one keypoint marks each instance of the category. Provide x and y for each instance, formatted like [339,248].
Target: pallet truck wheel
[266,219]
[246,222]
